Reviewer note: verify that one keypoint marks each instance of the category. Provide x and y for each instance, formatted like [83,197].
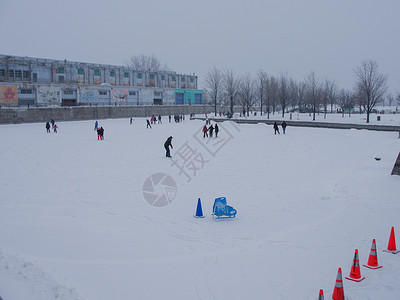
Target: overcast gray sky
[330,38]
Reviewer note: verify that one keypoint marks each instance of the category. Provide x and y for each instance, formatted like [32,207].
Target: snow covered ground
[76,224]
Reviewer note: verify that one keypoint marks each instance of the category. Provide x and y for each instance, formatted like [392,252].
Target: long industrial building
[26,81]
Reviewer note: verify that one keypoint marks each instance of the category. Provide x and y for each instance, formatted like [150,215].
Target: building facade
[47,82]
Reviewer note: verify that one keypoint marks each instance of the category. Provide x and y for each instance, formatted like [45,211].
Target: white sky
[330,38]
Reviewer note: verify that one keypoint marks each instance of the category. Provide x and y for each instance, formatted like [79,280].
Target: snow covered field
[75,223]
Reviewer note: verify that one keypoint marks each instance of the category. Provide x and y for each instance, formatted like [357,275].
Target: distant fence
[74,113]
[311,124]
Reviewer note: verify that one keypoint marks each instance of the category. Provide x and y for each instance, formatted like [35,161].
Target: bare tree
[301,96]
[284,92]
[312,92]
[271,87]
[390,99]
[214,83]
[231,84]
[273,93]
[261,88]
[146,63]
[294,94]
[246,93]
[345,100]
[328,95]
[370,84]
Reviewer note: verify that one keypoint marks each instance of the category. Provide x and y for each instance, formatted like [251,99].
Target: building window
[10,73]
[162,77]
[61,78]
[182,78]
[173,78]
[18,74]
[112,73]
[68,92]
[60,70]
[26,91]
[2,72]
[139,75]
[157,94]
[81,72]
[103,93]
[151,76]
[96,73]
[191,79]
[26,75]
[132,93]
[126,75]
[34,77]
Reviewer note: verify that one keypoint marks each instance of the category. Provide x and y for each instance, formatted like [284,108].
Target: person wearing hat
[166,146]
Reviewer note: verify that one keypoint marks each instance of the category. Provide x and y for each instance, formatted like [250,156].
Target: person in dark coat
[211,130]
[276,128]
[148,123]
[102,133]
[48,127]
[216,130]
[284,125]
[167,144]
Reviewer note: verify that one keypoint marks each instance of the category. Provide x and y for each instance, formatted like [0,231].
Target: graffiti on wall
[48,95]
[9,94]
[87,95]
[119,95]
[169,97]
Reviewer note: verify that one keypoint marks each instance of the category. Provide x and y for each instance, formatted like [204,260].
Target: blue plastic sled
[221,210]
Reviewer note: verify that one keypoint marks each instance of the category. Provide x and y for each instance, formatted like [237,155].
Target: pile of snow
[74,223]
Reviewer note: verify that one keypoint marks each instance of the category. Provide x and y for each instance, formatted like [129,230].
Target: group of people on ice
[53,126]
[154,119]
[276,128]
[210,130]
[100,131]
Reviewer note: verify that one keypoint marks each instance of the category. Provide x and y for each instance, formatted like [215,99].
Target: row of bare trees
[283,94]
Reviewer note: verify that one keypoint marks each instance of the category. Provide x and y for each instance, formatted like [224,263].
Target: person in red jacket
[205,134]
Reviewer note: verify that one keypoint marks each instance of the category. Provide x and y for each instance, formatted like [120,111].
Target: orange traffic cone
[373,258]
[355,273]
[392,243]
[321,295]
[338,292]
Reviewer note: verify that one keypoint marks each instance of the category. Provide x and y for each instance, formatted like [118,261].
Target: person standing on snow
[95,125]
[101,133]
[148,123]
[205,134]
[55,127]
[211,130]
[276,128]
[284,125]
[48,127]
[167,144]
[216,130]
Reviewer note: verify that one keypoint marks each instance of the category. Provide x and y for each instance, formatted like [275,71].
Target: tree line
[273,94]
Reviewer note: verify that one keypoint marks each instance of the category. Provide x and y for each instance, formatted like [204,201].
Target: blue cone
[199,211]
